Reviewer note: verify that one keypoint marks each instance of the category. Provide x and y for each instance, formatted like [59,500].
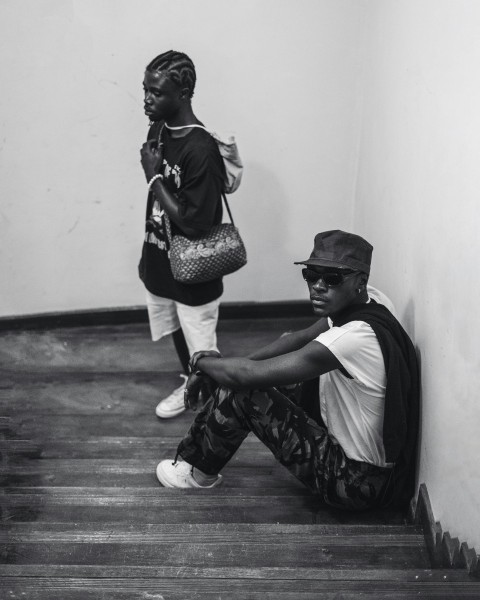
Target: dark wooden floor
[84,518]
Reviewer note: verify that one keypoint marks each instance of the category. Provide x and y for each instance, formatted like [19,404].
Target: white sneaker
[172,405]
[180,475]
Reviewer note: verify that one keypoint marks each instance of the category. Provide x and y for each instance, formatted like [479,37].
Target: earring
[359,291]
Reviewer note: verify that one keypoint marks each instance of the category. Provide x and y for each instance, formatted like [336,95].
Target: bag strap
[168,230]
[228,208]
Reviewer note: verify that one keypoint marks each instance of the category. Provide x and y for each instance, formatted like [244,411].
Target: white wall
[418,202]
[282,75]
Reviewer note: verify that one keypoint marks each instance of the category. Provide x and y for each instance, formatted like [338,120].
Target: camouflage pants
[296,440]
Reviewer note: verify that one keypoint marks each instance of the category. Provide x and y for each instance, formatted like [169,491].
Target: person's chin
[152,116]
[320,310]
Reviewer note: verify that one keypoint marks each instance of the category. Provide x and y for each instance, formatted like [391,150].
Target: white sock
[202,478]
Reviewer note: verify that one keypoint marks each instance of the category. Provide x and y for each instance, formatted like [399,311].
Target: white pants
[198,323]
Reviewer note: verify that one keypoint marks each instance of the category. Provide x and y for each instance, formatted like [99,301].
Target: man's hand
[202,354]
[151,158]
[199,386]
[197,390]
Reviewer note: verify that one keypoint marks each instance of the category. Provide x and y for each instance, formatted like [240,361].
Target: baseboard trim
[444,551]
[138,314]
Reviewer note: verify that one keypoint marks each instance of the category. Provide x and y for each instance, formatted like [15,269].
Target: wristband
[153,179]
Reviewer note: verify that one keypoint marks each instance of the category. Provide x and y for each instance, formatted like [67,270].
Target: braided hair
[178,67]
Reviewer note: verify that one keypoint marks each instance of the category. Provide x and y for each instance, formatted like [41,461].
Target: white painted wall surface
[281,75]
[418,202]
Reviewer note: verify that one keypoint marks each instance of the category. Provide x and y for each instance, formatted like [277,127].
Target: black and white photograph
[239,276]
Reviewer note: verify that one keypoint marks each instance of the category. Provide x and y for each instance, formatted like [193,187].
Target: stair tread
[55,393]
[222,552]
[42,494]
[160,571]
[119,348]
[40,588]
[42,427]
[17,529]
[252,456]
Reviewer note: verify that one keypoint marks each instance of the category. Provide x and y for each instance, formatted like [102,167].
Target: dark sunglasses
[329,278]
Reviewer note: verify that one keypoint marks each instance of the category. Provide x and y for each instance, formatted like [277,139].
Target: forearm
[229,372]
[290,342]
[170,205]
[293,367]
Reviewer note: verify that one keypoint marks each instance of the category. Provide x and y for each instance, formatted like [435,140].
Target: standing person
[185,175]
[350,432]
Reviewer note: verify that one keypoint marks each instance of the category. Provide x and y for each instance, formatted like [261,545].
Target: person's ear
[362,282]
[185,94]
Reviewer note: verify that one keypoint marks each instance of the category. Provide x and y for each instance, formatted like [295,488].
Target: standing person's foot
[172,405]
[180,474]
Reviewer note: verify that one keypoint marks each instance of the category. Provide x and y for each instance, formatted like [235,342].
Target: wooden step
[240,584]
[5,427]
[115,448]
[251,531]
[136,472]
[163,505]
[166,506]
[124,347]
[44,427]
[219,545]
[131,451]
[87,393]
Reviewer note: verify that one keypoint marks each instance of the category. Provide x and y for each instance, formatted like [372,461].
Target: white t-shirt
[353,409]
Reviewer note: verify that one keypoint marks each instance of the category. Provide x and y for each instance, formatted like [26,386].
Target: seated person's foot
[172,405]
[180,474]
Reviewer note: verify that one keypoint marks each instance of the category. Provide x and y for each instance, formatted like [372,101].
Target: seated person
[348,432]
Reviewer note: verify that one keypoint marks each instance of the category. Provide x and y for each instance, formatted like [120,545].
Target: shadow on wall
[420,418]
[408,319]
[408,322]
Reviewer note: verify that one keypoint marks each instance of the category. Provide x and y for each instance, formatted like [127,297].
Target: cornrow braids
[178,67]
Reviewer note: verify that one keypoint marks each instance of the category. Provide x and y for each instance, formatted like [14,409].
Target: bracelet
[153,179]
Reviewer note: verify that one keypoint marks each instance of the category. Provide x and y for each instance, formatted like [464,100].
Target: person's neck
[183,118]
[362,300]
[358,301]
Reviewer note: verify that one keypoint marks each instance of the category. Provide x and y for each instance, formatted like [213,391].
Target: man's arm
[312,360]
[290,342]
[152,157]
[170,205]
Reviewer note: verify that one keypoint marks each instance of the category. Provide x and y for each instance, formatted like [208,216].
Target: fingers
[202,354]
[151,146]
[192,389]
[195,357]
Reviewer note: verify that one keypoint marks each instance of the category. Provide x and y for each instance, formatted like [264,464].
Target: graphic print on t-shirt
[174,171]
[154,227]
[154,233]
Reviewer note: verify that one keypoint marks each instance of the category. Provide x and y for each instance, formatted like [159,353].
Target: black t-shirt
[193,171]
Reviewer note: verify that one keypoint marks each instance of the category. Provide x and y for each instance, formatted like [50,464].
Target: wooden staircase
[84,518]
